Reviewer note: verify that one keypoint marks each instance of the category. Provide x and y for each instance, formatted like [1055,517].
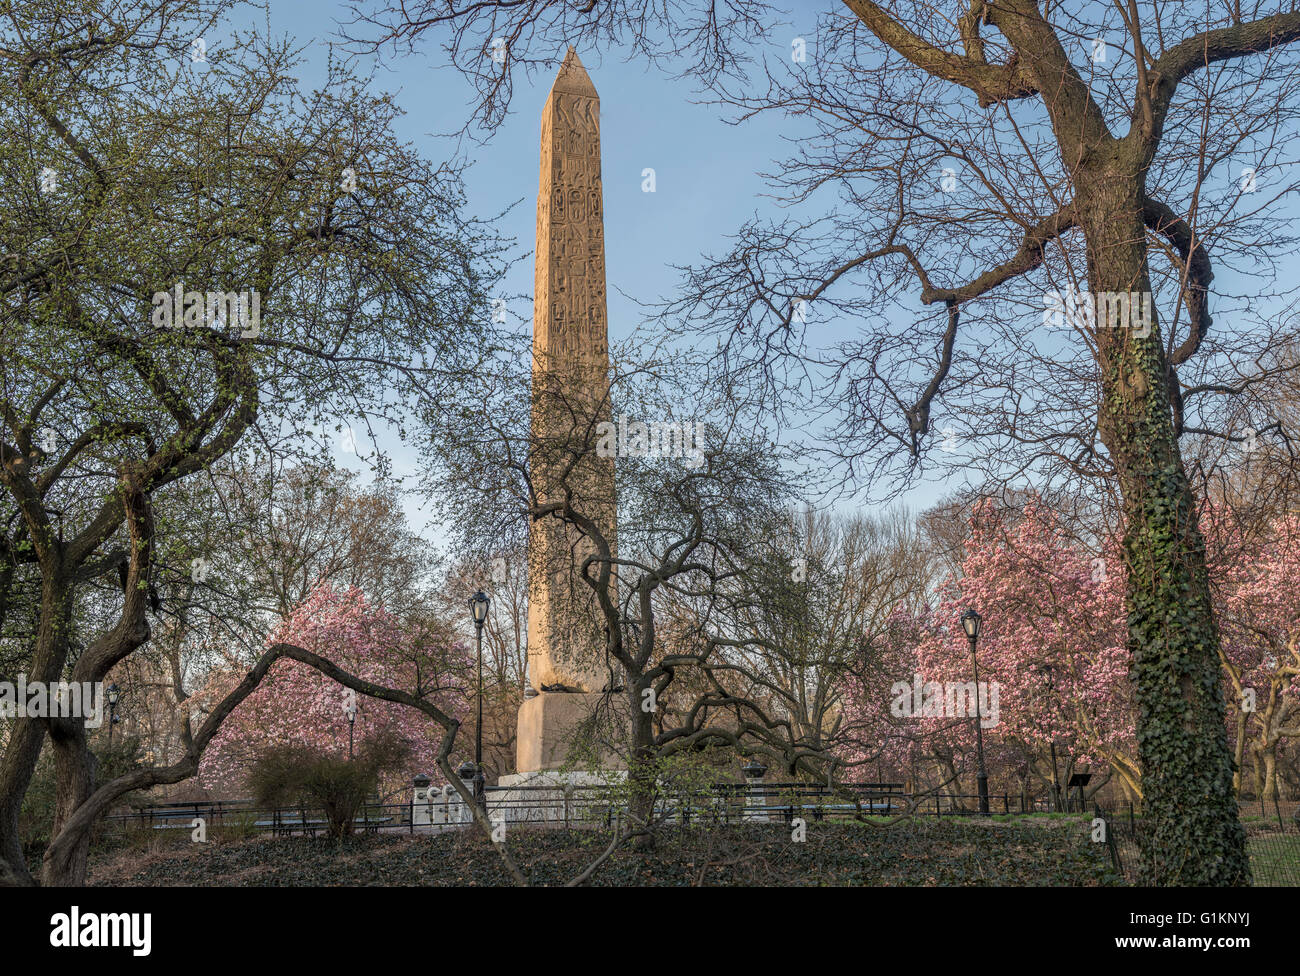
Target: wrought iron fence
[1273,840]
[244,815]
[1273,843]
[585,805]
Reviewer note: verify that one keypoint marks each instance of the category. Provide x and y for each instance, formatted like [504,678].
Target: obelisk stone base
[548,724]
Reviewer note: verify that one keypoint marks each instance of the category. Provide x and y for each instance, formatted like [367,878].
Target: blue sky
[706,171]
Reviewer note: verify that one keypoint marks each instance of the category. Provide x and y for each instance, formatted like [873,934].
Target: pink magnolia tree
[1053,657]
[1257,588]
[296,705]
[1053,663]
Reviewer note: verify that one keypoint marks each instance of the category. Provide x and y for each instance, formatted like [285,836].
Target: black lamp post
[114,693]
[478,607]
[970,622]
[350,710]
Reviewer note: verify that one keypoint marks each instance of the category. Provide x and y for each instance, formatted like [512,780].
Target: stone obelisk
[570,397]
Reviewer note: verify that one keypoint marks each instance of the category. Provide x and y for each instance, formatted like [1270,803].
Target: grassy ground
[1274,858]
[929,852]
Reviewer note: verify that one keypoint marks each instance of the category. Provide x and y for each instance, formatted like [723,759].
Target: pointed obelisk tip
[572,76]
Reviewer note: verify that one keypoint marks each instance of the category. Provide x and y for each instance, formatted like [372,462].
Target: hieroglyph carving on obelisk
[570,393]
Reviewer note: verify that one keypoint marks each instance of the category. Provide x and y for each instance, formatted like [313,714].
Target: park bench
[819,810]
[309,825]
[371,824]
[287,825]
[205,807]
[181,815]
[177,818]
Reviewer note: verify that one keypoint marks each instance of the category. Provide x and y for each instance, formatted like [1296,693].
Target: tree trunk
[15,774]
[1270,773]
[24,748]
[1193,835]
[1129,777]
[1239,752]
[642,770]
[75,774]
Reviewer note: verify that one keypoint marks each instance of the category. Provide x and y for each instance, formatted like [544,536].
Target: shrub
[300,775]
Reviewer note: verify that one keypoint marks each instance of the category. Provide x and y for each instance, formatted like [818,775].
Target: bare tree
[971,166]
[839,583]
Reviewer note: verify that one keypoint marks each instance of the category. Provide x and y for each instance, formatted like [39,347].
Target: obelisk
[570,397]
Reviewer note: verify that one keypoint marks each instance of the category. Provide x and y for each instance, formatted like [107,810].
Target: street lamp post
[113,694]
[478,606]
[970,622]
[350,710]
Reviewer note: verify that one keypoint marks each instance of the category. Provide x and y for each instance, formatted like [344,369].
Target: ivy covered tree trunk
[1192,833]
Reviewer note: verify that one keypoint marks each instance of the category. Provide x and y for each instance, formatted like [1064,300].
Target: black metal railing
[584,805]
[1273,838]
[244,815]
[1273,843]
